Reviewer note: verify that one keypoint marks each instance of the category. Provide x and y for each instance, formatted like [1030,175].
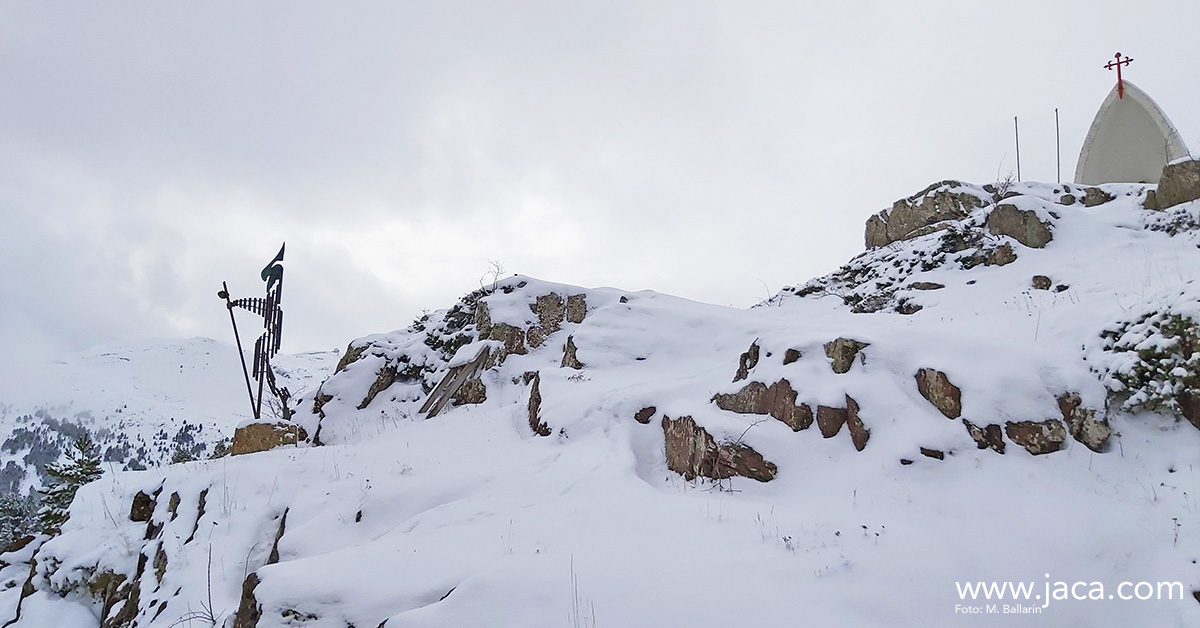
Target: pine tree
[82,466]
[18,517]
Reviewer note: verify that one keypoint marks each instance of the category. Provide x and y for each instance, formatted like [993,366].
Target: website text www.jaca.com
[1032,597]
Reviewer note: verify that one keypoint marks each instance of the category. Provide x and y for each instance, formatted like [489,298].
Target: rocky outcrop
[576,308]
[1041,282]
[1022,225]
[777,400]
[384,378]
[256,437]
[936,454]
[692,452]
[926,285]
[1179,183]
[643,416]
[533,379]
[1083,424]
[830,420]
[1037,437]
[570,360]
[791,355]
[473,391]
[249,611]
[746,362]
[1095,196]
[908,217]
[859,434]
[842,352]
[936,388]
[142,507]
[989,437]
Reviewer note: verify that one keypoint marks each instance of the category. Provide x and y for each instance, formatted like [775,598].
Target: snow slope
[470,518]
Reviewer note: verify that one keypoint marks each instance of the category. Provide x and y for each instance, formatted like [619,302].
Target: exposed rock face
[907,216]
[1037,437]
[142,508]
[643,416]
[249,611]
[472,391]
[746,362]
[1180,183]
[791,355]
[830,420]
[859,434]
[550,312]
[692,452]
[384,377]
[989,437]
[936,388]
[512,337]
[257,437]
[1095,196]
[777,400]
[842,352]
[576,308]
[1041,282]
[1022,225]
[999,256]
[936,454]
[926,285]
[351,356]
[1083,424]
[534,379]
[570,360]
[1067,199]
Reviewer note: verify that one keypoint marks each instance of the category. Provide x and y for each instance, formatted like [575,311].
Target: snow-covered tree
[82,466]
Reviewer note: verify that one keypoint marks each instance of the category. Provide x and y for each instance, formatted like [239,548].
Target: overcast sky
[716,151]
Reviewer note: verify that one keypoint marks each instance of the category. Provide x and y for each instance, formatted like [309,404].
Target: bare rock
[643,416]
[570,360]
[842,352]
[351,356]
[1037,437]
[989,437]
[577,308]
[249,610]
[1000,256]
[777,400]
[534,379]
[1095,196]
[512,337]
[692,452]
[1179,183]
[926,285]
[936,454]
[791,355]
[384,377]
[1083,424]
[830,420]
[1067,199]
[859,434]
[936,388]
[936,203]
[142,508]
[746,362]
[483,320]
[1151,200]
[1041,282]
[257,437]
[1022,225]
[473,391]
[1189,406]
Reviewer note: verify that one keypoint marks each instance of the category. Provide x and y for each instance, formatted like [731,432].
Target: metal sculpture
[267,344]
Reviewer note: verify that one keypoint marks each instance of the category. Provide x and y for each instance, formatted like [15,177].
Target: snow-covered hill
[141,403]
[969,401]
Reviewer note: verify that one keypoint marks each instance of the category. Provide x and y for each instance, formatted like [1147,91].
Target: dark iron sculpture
[267,344]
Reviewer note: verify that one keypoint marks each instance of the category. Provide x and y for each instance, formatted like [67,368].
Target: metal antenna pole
[224,294]
[1057,147]
[1017,134]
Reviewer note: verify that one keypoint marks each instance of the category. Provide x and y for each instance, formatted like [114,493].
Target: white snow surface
[471,519]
